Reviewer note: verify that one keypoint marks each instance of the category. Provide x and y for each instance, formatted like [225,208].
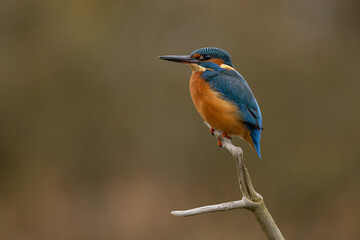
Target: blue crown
[215,53]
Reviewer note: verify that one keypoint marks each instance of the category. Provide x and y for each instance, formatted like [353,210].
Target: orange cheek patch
[217,61]
[196,56]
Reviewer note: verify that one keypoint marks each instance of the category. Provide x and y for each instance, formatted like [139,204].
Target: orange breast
[220,114]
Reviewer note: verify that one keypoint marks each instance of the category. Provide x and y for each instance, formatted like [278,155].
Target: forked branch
[251,200]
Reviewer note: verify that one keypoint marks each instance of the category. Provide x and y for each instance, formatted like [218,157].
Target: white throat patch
[196,68]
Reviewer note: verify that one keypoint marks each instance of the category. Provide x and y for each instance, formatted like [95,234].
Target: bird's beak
[180,58]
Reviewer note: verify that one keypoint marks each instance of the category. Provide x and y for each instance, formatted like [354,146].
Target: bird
[222,96]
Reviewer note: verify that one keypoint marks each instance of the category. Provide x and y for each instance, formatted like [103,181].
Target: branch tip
[251,200]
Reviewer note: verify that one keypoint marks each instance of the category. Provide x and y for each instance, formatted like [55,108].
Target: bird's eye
[204,57]
[207,57]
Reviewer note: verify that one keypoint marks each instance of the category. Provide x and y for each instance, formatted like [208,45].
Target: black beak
[180,58]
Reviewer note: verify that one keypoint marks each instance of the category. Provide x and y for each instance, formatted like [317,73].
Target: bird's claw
[219,144]
[226,136]
[212,131]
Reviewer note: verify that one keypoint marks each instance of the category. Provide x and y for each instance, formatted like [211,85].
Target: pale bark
[251,200]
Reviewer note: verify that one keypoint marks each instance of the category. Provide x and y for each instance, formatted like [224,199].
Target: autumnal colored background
[99,138]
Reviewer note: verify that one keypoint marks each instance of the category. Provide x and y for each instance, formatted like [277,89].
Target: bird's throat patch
[196,68]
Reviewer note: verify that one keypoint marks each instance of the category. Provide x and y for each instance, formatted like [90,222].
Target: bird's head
[204,58]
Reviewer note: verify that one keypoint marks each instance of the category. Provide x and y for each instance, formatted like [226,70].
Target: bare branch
[251,200]
[243,203]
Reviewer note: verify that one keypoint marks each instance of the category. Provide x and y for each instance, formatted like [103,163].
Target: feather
[233,88]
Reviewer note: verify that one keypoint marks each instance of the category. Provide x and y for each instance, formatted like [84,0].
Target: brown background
[99,139]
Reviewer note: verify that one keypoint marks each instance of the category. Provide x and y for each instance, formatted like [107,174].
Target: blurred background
[99,139]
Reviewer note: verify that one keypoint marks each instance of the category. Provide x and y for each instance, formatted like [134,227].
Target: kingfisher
[222,96]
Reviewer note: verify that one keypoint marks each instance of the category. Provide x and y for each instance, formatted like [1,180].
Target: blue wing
[235,89]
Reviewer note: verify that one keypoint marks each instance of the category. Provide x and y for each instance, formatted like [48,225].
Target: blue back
[235,89]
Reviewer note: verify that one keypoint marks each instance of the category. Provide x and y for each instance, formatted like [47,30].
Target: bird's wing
[234,88]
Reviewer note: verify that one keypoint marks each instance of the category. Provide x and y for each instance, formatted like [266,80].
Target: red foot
[225,135]
[212,131]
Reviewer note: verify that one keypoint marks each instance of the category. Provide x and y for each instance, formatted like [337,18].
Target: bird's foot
[212,131]
[223,135]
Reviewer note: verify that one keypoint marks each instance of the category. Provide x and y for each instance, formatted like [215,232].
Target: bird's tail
[255,137]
